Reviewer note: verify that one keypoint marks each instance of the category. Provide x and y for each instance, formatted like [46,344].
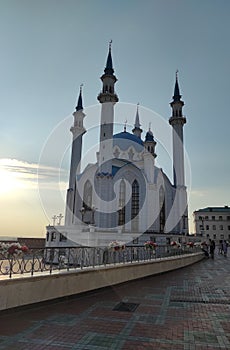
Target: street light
[82,211]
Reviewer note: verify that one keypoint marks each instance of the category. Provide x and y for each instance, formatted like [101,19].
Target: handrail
[50,260]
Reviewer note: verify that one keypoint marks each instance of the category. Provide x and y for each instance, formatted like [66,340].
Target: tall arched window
[135,206]
[87,195]
[162,209]
[121,212]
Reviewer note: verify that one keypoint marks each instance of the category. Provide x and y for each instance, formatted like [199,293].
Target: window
[207,227]
[87,195]
[213,218]
[221,227]
[200,218]
[62,238]
[47,236]
[220,217]
[214,227]
[228,227]
[207,235]
[214,236]
[206,217]
[135,205]
[53,236]
[228,218]
[201,227]
[121,212]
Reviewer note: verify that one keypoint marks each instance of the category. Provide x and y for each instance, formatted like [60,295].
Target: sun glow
[13,176]
[8,181]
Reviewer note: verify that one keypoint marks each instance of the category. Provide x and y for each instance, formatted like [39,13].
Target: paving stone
[186,309]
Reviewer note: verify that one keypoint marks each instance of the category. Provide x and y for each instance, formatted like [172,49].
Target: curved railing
[56,259]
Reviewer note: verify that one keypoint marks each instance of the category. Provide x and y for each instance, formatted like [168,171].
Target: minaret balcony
[177,120]
[107,97]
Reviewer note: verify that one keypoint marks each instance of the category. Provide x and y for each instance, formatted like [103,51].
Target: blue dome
[124,140]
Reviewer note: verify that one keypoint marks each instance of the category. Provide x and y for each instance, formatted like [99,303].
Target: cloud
[32,175]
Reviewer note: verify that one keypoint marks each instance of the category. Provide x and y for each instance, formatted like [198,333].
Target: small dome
[149,136]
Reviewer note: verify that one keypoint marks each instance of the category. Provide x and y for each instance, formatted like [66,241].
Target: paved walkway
[187,309]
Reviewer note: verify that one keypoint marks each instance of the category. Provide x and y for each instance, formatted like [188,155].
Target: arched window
[121,212]
[162,209]
[135,206]
[87,195]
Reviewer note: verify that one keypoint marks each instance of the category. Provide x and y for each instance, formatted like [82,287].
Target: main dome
[124,140]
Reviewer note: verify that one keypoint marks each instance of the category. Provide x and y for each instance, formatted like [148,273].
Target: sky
[49,48]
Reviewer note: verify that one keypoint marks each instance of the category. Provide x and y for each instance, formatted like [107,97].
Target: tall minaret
[107,98]
[137,126]
[177,121]
[149,156]
[78,131]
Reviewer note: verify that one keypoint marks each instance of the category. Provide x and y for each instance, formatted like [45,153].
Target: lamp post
[82,211]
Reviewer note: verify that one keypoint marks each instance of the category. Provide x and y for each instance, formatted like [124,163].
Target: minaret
[177,121]
[149,156]
[137,126]
[107,98]
[78,131]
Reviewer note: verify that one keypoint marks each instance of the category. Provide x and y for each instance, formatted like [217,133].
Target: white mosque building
[123,196]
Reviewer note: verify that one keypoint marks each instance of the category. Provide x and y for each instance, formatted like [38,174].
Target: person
[212,248]
[220,246]
[225,248]
[205,249]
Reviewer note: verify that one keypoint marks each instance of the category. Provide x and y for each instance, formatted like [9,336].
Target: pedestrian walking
[225,248]
[212,247]
[220,246]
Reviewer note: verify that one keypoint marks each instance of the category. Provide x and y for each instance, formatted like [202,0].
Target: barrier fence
[72,258]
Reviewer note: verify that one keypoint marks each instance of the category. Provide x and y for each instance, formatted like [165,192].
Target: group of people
[209,249]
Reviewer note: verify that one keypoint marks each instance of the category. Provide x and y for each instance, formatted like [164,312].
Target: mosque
[124,195]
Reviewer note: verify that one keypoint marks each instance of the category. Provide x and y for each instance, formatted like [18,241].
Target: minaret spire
[176,96]
[79,106]
[109,63]
[108,80]
[137,126]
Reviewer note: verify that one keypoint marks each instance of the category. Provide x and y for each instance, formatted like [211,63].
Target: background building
[213,222]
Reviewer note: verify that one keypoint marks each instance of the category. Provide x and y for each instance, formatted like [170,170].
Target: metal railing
[58,259]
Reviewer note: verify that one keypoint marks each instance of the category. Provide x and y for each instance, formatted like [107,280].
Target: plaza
[185,309]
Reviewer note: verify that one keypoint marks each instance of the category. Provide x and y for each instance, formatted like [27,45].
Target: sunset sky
[49,48]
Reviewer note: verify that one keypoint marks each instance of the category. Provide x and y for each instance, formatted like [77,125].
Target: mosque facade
[123,195]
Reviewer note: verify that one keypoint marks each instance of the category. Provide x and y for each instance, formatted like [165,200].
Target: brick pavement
[187,309]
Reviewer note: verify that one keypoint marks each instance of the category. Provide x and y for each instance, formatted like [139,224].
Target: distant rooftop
[226,208]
